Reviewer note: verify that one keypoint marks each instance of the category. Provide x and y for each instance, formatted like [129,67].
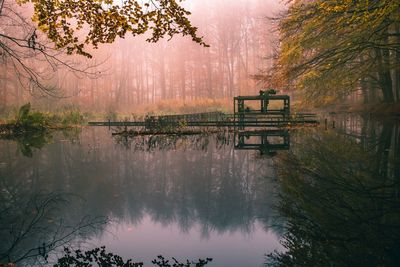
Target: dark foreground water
[315,196]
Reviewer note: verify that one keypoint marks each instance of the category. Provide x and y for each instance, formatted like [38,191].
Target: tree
[104,20]
[132,74]
[329,48]
[64,22]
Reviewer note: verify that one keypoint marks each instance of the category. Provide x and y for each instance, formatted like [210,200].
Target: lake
[230,197]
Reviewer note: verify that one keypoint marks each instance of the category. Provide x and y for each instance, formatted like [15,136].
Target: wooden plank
[246,123]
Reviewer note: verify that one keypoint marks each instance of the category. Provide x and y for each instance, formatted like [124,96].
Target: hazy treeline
[131,72]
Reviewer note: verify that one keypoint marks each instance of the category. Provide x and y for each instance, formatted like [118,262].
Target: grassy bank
[28,120]
[33,129]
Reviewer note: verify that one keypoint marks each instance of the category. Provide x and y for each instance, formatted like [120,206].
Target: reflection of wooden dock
[266,141]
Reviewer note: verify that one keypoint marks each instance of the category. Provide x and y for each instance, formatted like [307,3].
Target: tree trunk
[209,75]
[163,84]
[383,150]
[384,77]
[3,89]
[397,65]
[182,74]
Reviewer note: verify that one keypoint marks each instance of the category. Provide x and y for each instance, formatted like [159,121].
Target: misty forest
[190,133]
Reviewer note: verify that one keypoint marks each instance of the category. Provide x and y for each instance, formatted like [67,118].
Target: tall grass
[27,118]
[175,106]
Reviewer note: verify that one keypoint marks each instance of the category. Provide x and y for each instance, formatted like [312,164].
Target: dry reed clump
[175,106]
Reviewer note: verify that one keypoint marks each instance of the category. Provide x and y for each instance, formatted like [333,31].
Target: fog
[131,75]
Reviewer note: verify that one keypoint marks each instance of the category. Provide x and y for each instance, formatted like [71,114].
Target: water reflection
[34,229]
[340,197]
[200,182]
[339,192]
[268,142]
[28,142]
[149,143]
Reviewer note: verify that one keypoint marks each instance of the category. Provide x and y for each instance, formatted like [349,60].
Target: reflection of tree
[151,143]
[32,226]
[200,181]
[340,201]
[28,140]
[197,179]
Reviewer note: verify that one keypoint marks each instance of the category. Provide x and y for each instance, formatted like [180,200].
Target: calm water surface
[232,198]
[188,198]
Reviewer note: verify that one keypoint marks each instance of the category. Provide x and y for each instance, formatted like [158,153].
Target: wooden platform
[268,120]
[243,116]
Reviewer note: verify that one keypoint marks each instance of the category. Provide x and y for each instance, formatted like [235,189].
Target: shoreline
[374,110]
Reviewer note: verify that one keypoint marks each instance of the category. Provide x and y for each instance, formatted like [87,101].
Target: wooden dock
[227,120]
[243,116]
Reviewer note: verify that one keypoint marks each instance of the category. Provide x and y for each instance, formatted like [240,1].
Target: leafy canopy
[101,21]
[327,46]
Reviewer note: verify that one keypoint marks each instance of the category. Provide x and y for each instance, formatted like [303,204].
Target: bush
[25,118]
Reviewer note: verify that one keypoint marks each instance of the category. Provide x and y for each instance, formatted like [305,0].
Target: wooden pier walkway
[214,120]
[243,116]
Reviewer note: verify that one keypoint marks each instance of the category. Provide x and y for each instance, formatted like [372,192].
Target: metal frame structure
[242,113]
